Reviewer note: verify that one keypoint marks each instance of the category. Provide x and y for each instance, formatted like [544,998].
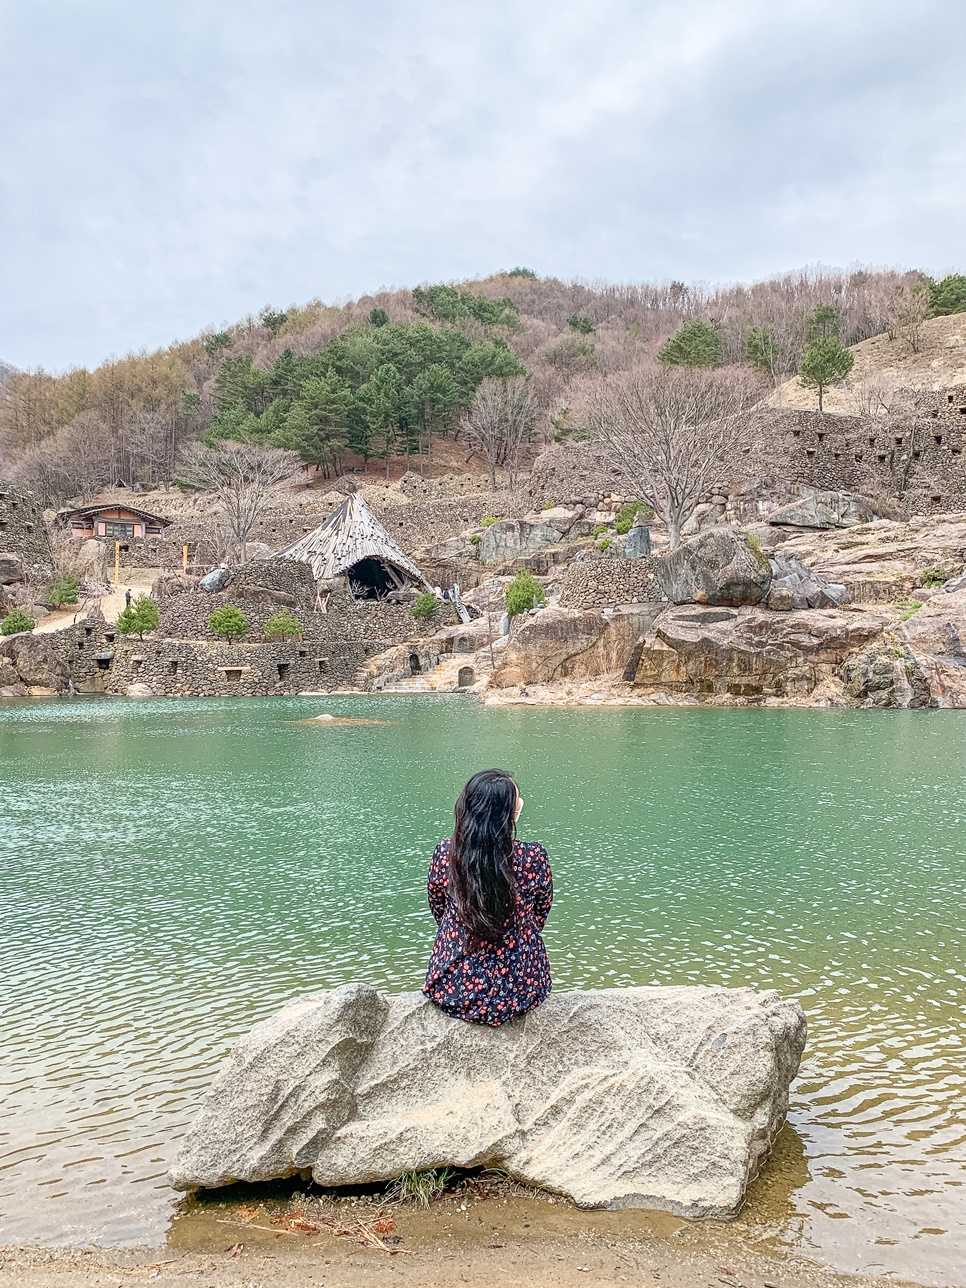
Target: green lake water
[173,871]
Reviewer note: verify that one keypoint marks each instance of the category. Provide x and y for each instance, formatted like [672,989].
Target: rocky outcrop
[29,663]
[825,510]
[515,538]
[11,568]
[936,638]
[749,652]
[661,1098]
[719,566]
[796,586]
[560,643]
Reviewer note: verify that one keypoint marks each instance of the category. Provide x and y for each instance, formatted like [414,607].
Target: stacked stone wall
[605,583]
[23,531]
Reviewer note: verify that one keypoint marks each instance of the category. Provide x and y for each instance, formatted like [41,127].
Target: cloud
[166,167]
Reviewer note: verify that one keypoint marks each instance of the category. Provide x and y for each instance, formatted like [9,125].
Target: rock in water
[215,580]
[720,567]
[641,1097]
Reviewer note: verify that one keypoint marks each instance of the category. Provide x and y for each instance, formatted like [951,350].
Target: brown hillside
[891,364]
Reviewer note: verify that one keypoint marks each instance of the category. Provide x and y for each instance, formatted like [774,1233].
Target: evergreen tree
[823,321]
[139,616]
[949,295]
[378,317]
[283,626]
[379,402]
[16,622]
[581,324]
[317,425]
[697,344]
[763,351]
[825,362]
[228,621]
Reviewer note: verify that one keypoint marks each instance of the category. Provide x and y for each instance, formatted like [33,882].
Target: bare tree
[240,474]
[909,308]
[500,424]
[671,430]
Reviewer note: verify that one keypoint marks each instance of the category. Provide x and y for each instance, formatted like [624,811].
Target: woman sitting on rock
[490,895]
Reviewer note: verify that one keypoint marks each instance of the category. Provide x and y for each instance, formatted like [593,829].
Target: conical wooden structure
[352,543]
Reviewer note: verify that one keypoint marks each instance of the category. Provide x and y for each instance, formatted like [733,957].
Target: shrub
[628,513]
[16,622]
[489,521]
[523,593]
[420,1187]
[581,324]
[601,527]
[475,539]
[228,621]
[549,505]
[910,607]
[283,626]
[140,615]
[62,591]
[697,344]
[605,544]
[425,606]
[935,576]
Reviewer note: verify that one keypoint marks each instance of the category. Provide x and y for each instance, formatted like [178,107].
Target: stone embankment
[664,1098]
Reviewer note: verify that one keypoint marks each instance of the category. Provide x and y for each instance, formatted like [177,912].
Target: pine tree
[228,621]
[139,616]
[825,362]
[697,344]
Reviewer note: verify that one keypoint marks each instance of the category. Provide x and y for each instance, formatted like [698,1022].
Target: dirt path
[466,1240]
[139,582]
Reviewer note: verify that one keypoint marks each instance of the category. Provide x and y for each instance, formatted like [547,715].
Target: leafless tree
[672,430]
[908,310]
[240,474]
[500,424]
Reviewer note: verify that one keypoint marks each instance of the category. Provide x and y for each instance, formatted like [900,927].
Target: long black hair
[480,854]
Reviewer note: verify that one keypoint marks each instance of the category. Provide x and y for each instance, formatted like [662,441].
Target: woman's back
[489,981]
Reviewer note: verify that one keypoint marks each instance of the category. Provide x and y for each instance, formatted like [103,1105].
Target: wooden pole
[117,564]
[184,558]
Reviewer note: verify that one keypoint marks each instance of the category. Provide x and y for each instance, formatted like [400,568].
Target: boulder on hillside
[36,664]
[89,562]
[749,652]
[11,568]
[825,510]
[795,585]
[642,1097]
[514,538]
[215,580]
[718,567]
[568,643]
[560,517]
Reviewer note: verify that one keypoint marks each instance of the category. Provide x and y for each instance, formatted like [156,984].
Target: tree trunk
[674,532]
[820,391]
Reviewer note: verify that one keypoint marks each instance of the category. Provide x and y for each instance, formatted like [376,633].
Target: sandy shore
[476,1236]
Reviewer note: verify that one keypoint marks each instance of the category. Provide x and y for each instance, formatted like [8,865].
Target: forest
[383,376]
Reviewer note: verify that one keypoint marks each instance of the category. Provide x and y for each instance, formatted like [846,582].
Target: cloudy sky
[168,165]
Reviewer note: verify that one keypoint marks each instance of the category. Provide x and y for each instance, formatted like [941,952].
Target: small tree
[16,623]
[579,323]
[228,621]
[425,607]
[378,317]
[627,516]
[500,423]
[825,362]
[283,626]
[139,616]
[949,295]
[523,593]
[62,591]
[823,321]
[697,344]
[765,352]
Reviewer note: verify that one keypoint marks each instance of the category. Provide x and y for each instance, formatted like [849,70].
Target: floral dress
[497,981]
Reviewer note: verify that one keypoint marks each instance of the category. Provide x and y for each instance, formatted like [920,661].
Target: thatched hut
[352,543]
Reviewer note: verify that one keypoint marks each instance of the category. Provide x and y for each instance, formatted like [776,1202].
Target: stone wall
[604,583]
[22,530]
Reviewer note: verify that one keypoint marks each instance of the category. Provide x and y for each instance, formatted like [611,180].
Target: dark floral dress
[497,981]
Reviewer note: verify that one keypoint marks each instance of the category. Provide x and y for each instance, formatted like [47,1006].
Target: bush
[935,576]
[549,505]
[628,513]
[425,606]
[696,345]
[140,615]
[523,593]
[62,591]
[909,608]
[283,626]
[228,621]
[489,521]
[16,622]
[601,527]
[475,539]
[605,544]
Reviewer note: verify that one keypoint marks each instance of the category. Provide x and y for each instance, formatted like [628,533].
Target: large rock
[644,1097]
[719,566]
[825,510]
[573,644]
[89,562]
[936,639]
[795,585]
[11,568]
[36,664]
[215,580]
[514,538]
[749,652]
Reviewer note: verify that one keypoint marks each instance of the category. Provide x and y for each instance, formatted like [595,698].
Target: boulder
[719,566]
[661,1098]
[559,517]
[825,510]
[567,643]
[638,544]
[750,652]
[935,639]
[259,550]
[514,538]
[37,665]
[795,585]
[215,580]
[89,562]
[11,568]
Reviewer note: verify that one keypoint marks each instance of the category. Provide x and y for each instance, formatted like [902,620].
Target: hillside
[884,364]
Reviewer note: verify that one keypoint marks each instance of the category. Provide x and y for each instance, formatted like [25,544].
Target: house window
[154,532]
[118,529]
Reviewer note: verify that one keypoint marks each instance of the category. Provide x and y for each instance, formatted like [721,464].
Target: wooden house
[114,523]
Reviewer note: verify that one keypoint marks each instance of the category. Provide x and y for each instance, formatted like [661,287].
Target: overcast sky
[167,165]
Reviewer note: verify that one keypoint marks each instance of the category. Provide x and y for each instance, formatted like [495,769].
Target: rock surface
[11,568]
[514,538]
[825,510]
[563,643]
[936,638]
[34,663]
[794,585]
[719,567]
[661,1098]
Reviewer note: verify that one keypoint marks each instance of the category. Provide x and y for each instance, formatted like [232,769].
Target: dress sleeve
[438,881]
[543,887]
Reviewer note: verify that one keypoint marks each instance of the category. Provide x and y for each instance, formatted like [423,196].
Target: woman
[490,895]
